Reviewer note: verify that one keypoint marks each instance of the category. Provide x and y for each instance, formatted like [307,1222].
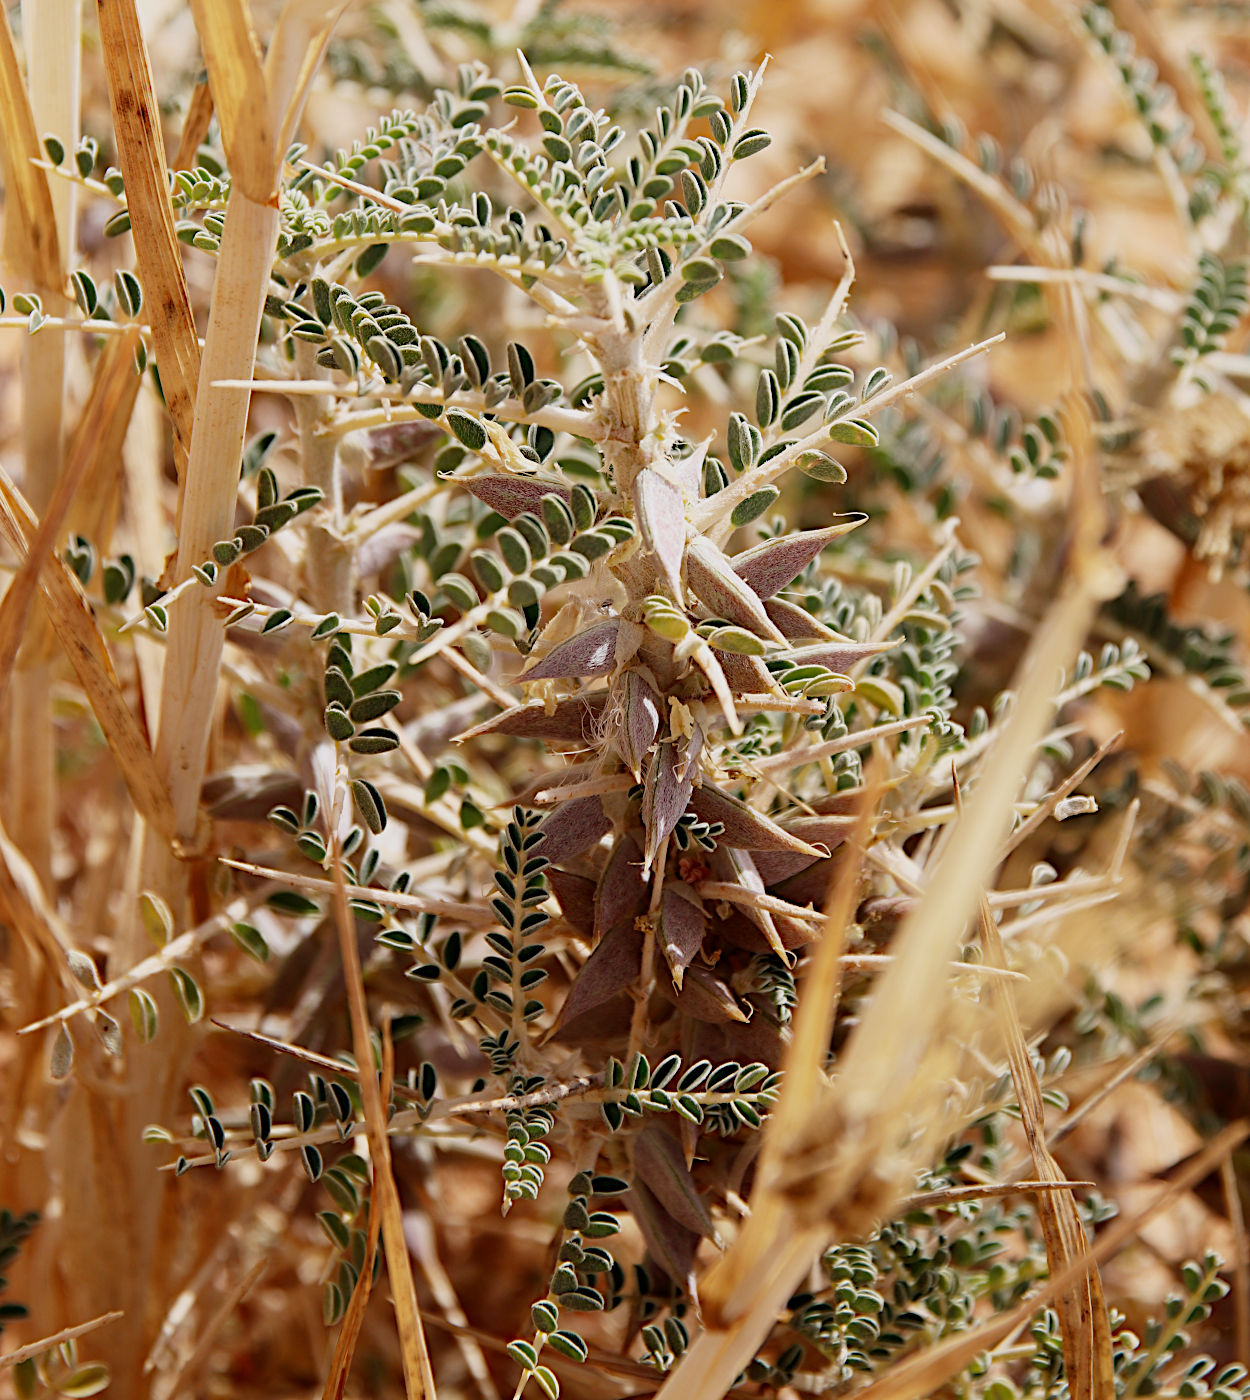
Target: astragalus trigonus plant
[527,650]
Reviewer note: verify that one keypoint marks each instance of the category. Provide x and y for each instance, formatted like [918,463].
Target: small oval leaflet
[466,429]
[144,1015]
[369,805]
[754,506]
[62,1059]
[187,990]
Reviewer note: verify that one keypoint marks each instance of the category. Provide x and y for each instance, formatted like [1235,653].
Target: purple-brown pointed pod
[576,896]
[589,654]
[639,721]
[572,720]
[613,965]
[661,1163]
[670,1244]
[661,518]
[670,781]
[747,675]
[621,894]
[705,997]
[743,825]
[682,927]
[836,656]
[771,565]
[710,576]
[796,624]
[572,828]
[736,867]
[513,495]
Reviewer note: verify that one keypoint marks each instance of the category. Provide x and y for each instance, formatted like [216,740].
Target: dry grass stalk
[141,155]
[252,105]
[31,242]
[1082,1308]
[76,628]
[94,453]
[95,449]
[33,247]
[195,125]
[418,1377]
[1241,1258]
[241,94]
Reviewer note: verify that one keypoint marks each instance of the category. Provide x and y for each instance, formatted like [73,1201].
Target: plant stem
[328,558]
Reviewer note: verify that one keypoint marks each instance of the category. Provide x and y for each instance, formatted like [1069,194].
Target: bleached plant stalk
[52,39]
[242,281]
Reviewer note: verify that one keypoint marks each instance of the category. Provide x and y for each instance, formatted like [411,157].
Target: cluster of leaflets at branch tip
[1231,175]
[1208,181]
[1035,447]
[1196,834]
[202,190]
[1214,307]
[79,166]
[1171,131]
[345,1227]
[551,35]
[1034,200]
[1207,655]
[359,858]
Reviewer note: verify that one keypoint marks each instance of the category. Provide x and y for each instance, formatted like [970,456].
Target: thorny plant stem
[396,406]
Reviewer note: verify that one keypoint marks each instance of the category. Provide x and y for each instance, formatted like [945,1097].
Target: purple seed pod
[640,721]
[797,624]
[747,675]
[589,654]
[682,927]
[670,1244]
[610,968]
[621,894]
[837,656]
[743,825]
[665,797]
[710,576]
[662,520]
[661,1163]
[705,997]
[572,720]
[771,565]
[572,828]
[736,867]
[514,495]
[576,897]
